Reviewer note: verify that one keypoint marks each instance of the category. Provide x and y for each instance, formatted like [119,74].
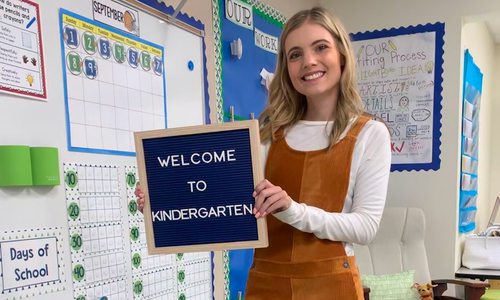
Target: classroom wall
[436,192]
[42,123]
[495,141]
[24,121]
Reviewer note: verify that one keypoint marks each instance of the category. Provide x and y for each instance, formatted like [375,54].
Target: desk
[464,272]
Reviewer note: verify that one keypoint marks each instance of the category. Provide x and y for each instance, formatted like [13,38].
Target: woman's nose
[309,59]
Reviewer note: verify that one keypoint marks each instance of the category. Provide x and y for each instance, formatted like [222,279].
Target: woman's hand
[140,197]
[269,198]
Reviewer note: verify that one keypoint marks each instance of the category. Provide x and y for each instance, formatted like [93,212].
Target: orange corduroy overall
[298,265]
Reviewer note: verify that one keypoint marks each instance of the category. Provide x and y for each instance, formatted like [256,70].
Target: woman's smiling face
[314,62]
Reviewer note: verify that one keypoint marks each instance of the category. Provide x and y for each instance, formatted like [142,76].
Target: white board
[43,123]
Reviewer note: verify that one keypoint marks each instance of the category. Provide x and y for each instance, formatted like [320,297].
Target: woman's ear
[342,62]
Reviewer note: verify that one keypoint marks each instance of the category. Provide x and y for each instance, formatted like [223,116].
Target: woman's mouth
[313,76]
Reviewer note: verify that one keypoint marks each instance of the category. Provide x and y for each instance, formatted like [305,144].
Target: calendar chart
[179,276]
[114,85]
[95,231]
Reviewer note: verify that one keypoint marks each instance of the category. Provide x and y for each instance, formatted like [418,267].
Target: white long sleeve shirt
[366,194]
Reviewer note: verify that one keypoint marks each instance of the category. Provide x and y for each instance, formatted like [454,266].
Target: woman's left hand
[269,198]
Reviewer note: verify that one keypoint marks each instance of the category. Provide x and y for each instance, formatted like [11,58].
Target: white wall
[436,192]
[39,123]
[495,140]
[42,123]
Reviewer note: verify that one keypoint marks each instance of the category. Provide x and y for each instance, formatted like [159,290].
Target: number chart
[95,231]
[180,276]
[114,86]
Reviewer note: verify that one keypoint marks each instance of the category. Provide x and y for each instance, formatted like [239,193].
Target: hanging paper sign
[240,13]
[21,51]
[399,76]
[198,185]
[266,41]
[116,15]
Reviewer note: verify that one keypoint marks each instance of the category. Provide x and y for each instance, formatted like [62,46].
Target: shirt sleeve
[369,178]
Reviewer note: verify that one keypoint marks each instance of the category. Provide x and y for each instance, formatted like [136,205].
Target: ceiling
[494,27]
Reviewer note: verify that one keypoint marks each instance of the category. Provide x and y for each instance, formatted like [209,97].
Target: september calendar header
[81,24]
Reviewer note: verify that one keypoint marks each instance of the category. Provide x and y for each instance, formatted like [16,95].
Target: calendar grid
[114,86]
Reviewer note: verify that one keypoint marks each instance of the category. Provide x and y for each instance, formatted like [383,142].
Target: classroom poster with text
[21,51]
[399,73]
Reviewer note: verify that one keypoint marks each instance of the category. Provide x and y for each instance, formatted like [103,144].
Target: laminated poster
[399,73]
[21,51]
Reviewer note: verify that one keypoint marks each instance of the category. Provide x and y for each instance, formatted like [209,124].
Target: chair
[399,246]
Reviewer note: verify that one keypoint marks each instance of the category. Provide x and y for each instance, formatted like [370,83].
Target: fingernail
[257,215]
[254,194]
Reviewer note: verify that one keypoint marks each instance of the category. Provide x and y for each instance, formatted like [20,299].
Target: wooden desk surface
[464,272]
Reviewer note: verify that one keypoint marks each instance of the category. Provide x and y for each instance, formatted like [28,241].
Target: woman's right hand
[269,199]
[140,197]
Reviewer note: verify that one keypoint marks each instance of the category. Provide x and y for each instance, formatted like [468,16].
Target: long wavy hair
[286,106]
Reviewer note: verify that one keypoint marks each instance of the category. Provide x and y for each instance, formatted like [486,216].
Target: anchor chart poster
[399,75]
[21,51]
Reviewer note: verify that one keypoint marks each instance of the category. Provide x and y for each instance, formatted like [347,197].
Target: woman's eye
[293,55]
[322,47]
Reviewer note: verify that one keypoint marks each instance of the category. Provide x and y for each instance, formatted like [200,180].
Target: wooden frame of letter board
[253,128]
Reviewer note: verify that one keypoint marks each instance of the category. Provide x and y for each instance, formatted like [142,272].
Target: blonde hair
[287,106]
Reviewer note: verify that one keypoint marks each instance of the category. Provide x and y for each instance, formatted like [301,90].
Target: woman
[327,168]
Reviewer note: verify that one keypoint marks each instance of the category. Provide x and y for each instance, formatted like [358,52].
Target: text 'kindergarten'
[196,186]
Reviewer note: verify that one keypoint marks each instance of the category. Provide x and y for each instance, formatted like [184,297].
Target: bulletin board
[472,89]
[399,73]
[241,85]
[241,81]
